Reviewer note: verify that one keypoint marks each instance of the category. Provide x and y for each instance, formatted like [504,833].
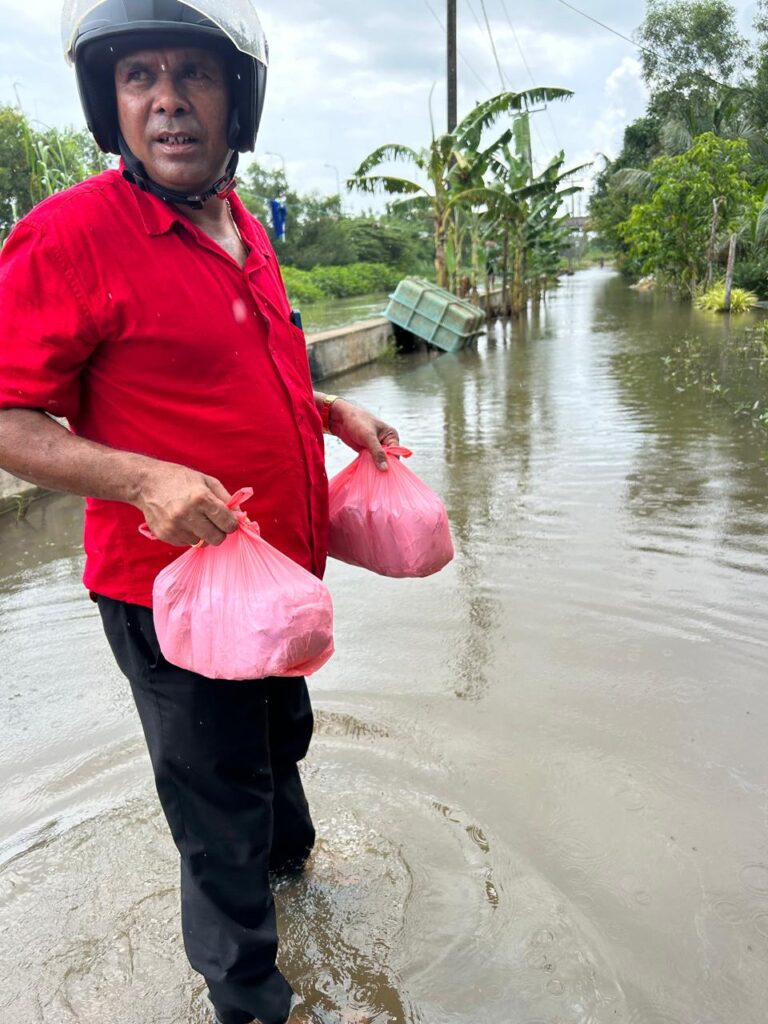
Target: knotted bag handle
[396,449]
[243,494]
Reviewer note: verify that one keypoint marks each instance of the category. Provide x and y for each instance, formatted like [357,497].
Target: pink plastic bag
[242,609]
[390,523]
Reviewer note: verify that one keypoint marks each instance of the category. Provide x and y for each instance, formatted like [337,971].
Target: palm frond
[676,137]
[633,180]
[556,178]
[482,195]
[761,226]
[389,153]
[487,113]
[757,142]
[373,183]
[503,140]
[413,202]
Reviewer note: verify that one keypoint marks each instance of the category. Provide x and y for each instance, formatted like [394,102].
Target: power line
[472,12]
[533,80]
[638,46]
[517,42]
[504,84]
[493,45]
[442,26]
[490,35]
[607,27]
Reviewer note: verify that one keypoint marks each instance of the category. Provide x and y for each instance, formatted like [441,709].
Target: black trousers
[224,755]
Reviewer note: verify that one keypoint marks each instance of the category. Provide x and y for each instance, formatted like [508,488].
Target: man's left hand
[360,429]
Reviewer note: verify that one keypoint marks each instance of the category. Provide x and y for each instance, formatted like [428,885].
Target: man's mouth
[175,140]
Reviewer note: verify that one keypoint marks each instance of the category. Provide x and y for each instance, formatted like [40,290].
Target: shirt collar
[158,217]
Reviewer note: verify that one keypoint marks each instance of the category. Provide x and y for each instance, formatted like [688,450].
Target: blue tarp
[279,217]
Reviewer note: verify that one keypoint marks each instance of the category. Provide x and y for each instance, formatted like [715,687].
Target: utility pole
[451,22]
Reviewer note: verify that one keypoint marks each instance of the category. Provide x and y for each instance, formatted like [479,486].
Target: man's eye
[136,75]
[194,73]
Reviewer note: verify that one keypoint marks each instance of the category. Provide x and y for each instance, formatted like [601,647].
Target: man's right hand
[182,506]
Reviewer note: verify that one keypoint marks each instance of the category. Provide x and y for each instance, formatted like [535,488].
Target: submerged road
[539,777]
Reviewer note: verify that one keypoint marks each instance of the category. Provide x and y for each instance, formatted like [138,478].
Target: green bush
[324,282]
[299,285]
[752,275]
[714,299]
[355,278]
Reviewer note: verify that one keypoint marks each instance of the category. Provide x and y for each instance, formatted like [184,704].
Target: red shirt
[117,313]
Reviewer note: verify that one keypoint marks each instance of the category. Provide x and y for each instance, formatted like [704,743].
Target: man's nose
[169,97]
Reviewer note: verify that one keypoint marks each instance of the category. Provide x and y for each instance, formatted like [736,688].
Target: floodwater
[322,316]
[539,777]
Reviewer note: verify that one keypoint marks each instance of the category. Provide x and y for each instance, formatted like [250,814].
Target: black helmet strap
[135,172]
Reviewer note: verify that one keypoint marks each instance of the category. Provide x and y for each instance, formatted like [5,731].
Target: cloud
[554,54]
[627,75]
[626,96]
[42,15]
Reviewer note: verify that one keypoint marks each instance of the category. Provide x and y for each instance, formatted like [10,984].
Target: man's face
[173,109]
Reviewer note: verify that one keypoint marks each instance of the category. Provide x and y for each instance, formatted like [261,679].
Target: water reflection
[699,475]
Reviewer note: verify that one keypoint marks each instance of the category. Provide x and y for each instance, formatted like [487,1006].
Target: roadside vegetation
[330,254]
[496,220]
[685,200]
[37,161]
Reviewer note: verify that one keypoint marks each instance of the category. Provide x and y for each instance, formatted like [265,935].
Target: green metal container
[434,315]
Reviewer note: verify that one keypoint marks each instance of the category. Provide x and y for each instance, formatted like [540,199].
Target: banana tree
[522,205]
[546,236]
[451,164]
[535,214]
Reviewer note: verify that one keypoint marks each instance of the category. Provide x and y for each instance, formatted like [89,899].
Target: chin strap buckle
[224,186]
[135,180]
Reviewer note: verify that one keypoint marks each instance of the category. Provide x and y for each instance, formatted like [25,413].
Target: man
[146,306]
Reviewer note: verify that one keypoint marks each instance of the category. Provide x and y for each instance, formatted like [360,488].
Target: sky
[346,77]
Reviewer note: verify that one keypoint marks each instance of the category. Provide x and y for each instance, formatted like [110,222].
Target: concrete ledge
[345,348]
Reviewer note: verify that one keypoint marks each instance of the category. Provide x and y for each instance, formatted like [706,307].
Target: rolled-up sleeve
[47,333]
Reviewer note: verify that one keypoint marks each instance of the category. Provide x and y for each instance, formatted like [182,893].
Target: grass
[713,299]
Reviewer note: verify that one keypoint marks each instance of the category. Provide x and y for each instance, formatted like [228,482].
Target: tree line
[685,199]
